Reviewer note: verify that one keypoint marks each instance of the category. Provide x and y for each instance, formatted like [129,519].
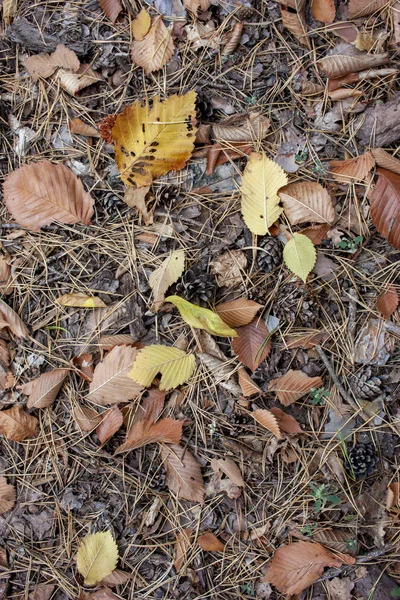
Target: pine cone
[362,460]
[204,109]
[195,286]
[167,195]
[238,420]
[270,256]
[296,305]
[364,386]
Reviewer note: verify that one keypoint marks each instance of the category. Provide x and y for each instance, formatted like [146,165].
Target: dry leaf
[117,577]
[388,302]
[340,589]
[111,383]
[44,65]
[84,362]
[166,274]
[354,169]
[175,366]
[78,127]
[373,345]
[43,391]
[346,59]
[7,495]
[165,431]
[393,492]
[293,385]
[17,425]
[248,386]
[196,6]
[253,344]
[75,82]
[267,420]
[108,342]
[385,206]
[42,591]
[316,233]
[252,128]
[80,300]
[102,594]
[10,319]
[9,10]
[183,543]
[4,364]
[210,543]
[385,160]
[201,318]
[184,476]
[222,372]
[86,418]
[237,313]
[307,201]
[111,421]
[136,198]
[141,25]
[286,422]
[363,8]
[295,22]
[143,137]
[6,283]
[97,557]
[155,49]
[229,468]
[338,539]
[111,8]
[229,268]
[323,10]
[40,193]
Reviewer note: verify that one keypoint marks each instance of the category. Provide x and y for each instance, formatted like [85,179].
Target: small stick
[345,569]
[352,294]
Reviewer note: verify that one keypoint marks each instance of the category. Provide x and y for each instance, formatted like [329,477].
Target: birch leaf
[155,49]
[166,274]
[237,313]
[43,391]
[184,476]
[201,318]
[97,557]
[17,425]
[300,256]
[80,300]
[307,201]
[175,366]
[267,420]
[111,383]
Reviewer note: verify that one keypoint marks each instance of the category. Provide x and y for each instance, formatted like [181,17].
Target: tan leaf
[182,545]
[141,25]
[75,82]
[165,431]
[296,566]
[286,422]
[84,362]
[102,594]
[323,10]
[296,24]
[111,383]
[238,312]
[229,468]
[17,425]
[385,206]
[393,493]
[86,418]
[307,201]
[253,344]
[6,285]
[267,420]
[10,319]
[4,364]
[385,160]
[111,8]
[196,6]
[248,386]
[43,391]
[254,127]
[9,10]
[40,193]
[363,8]
[155,49]
[44,65]
[43,591]
[229,268]
[7,495]
[167,273]
[80,300]
[338,539]
[135,198]
[3,558]
[111,421]
[354,169]
[183,471]
[346,59]
[388,302]
[117,577]
[293,385]
[78,127]
[316,233]
[210,543]
[107,342]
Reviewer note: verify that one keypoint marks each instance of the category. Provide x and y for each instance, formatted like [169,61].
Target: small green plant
[319,169]
[351,545]
[251,100]
[308,529]
[396,592]
[318,396]
[350,245]
[300,156]
[248,588]
[322,496]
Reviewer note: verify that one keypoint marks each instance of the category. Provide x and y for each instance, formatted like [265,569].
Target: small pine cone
[195,286]
[238,421]
[295,305]
[167,195]
[364,386]
[270,256]
[204,109]
[362,460]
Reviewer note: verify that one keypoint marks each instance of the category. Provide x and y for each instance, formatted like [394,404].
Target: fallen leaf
[363,8]
[182,545]
[167,273]
[229,468]
[229,268]
[10,319]
[135,198]
[42,591]
[9,10]
[267,420]
[6,283]
[293,385]
[237,313]
[75,82]
[216,486]
[78,127]
[141,25]
[354,169]
[340,589]
[84,362]
[307,201]
[338,539]
[251,128]
[86,418]
[108,342]
[196,6]
[248,386]
[44,65]
[102,594]
[385,160]
[7,495]
[117,577]
[111,383]
[305,340]
[183,471]
[4,364]
[155,49]
[201,318]
[286,422]
[300,255]
[385,206]
[143,136]
[393,492]
[17,425]
[165,431]
[40,193]
[316,233]
[80,300]
[111,421]
[43,391]
[210,543]
[323,10]
[295,22]
[222,371]
[97,557]
[253,344]
[325,267]
[175,366]
[345,58]
[111,8]
[388,302]
[373,345]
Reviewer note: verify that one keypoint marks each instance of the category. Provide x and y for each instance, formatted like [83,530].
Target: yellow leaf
[80,300]
[201,318]
[149,142]
[97,557]
[299,255]
[141,25]
[262,178]
[166,274]
[175,366]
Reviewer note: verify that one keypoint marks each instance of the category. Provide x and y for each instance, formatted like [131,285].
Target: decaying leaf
[17,425]
[385,206]
[7,496]
[307,201]
[78,127]
[229,468]
[354,169]
[86,418]
[338,539]
[388,302]
[183,543]
[262,178]
[253,344]
[237,313]
[286,422]
[210,543]
[385,160]
[300,255]
[43,391]
[136,198]
[293,385]
[111,383]
[146,431]
[196,6]
[393,494]
[363,8]
[238,129]
[111,8]
[267,420]
[345,58]
[175,366]
[184,476]
[80,300]
[248,386]
[373,344]
[141,25]
[155,49]
[40,193]
[44,65]
[43,591]
[75,82]
[143,137]
[111,421]
[10,319]
[323,10]
[229,268]
[166,274]
[201,318]
[97,557]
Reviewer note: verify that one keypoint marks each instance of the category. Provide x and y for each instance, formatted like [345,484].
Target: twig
[345,569]
[352,294]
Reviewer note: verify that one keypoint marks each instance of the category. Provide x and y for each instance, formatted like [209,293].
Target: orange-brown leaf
[165,431]
[293,385]
[323,10]
[247,385]
[107,342]
[182,545]
[252,344]
[155,49]
[111,8]
[10,319]
[363,8]
[78,127]
[237,313]
[210,543]
[385,160]
[40,193]
[353,169]
[111,384]
[86,418]
[17,425]
[388,302]
[307,201]
[286,422]
[267,420]
[385,206]
[316,233]
[117,577]
[43,391]
[44,65]
[84,362]
[112,420]
[295,22]
[7,495]
[183,471]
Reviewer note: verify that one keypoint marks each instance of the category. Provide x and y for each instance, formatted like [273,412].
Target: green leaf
[299,255]
[174,365]
[333,499]
[201,318]
[396,592]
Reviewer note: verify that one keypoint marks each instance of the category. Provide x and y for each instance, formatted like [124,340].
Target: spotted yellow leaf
[174,364]
[166,274]
[97,557]
[80,300]
[201,318]
[299,255]
[262,178]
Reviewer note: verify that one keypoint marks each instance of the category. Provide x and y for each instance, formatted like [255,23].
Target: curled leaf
[97,557]
[346,59]
[175,366]
[201,318]
[300,255]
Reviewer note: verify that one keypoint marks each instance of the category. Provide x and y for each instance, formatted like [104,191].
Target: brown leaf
[296,566]
[86,418]
[253,344]
[196,6]
[165,431]
[254,127]
[111,383]
[78,127]
[184,476]
[10,319]
[305,340]
[286,422]
[111,8]
[3,558]
[135,198]
[108,342]
[40,193]
[238,312]
[117,577]
[111,421]
[346,171]
[84,362]
[43,391]
[363,8]
[75,82]
[210,543]
[385,160]
[102,594]
[388,302]
[17,425]
[293,385]
[43,591]
[229,468]
[337,539]
[296,24]
[346,59]
[393,493]
[7,495]
[385,206]
[229,268]
[248,386]
[267,420]
[307,201]
[4,364]
[44,65]
[156,48]
[6,283]
[183,543]
[150,409]
[323,10]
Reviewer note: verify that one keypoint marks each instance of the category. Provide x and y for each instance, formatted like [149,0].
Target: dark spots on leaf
[154,144]
[131,180]
[132,153]
[143,127]
[157,119]
[152,149]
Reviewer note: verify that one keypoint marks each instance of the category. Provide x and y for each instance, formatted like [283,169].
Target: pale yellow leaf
[80,300]
[175,366]
[261,181]
[97,557]
[155,49]
[166,274]
[307,201]
[300,255]
[201,318]
[141,25]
